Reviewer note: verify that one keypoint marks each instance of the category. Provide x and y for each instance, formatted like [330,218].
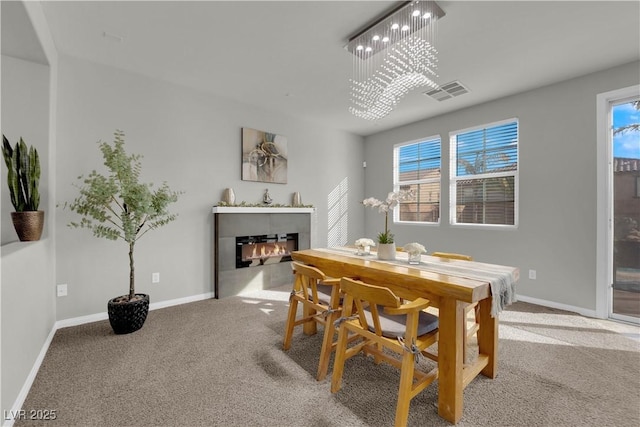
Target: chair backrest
[306,280]
[307,270]
[363,295]
[373,294]
[450,255]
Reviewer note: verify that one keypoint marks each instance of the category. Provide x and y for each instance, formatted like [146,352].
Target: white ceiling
[19,38]
[288,56]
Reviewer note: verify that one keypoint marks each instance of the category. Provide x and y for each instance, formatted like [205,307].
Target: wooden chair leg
[376,358]
[338,364]
[310,327]
[327,343]
[405,388]
[291,320]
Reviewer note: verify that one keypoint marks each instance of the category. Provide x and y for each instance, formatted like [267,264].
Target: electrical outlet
[532,274]
[155,278]
[62,290]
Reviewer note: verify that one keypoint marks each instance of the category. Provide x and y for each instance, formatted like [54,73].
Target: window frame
[397,183]
[454,178]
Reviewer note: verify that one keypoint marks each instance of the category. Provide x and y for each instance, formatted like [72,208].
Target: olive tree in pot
[117,206]
[23,179]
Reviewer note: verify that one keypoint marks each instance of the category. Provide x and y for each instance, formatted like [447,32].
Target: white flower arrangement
[414,248]
[393,199]
[363,242]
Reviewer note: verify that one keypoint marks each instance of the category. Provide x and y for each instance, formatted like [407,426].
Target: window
[484,174]
[417,167]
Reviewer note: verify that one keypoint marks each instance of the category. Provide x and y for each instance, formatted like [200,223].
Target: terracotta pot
[28,224]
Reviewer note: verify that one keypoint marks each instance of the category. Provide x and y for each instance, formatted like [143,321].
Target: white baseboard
[75,321]
[8,420]
[580,310]
[178,301]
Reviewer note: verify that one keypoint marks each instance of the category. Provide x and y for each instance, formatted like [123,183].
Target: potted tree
[117,206]
[23,179]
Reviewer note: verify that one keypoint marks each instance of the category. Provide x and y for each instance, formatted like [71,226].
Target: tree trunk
[132,289]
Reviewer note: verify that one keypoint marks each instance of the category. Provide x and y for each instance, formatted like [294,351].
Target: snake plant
[23,175]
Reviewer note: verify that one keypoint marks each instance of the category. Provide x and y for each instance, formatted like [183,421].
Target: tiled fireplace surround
[231,222]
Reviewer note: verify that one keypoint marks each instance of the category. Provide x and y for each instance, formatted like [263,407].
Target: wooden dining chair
[383,323]
[320,300]
[471,325]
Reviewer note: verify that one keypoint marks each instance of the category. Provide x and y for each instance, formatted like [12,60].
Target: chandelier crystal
[392,57]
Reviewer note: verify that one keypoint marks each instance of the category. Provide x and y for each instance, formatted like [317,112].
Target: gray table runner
[500,278]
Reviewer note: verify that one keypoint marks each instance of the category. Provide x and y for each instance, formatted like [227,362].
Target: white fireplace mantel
[256,209]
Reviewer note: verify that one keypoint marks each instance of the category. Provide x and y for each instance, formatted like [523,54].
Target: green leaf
[386,237]
[7,151]
[23,175]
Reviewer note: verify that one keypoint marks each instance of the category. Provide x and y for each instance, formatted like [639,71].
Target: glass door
[625,289]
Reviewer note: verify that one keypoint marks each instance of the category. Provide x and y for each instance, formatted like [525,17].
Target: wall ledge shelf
[16,246]
[252,209]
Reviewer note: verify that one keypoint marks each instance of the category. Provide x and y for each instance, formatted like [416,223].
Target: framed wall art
[264,156]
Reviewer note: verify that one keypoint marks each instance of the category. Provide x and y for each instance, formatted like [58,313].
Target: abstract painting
[264,156]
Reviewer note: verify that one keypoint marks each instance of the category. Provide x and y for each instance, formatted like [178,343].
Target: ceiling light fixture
[385,72]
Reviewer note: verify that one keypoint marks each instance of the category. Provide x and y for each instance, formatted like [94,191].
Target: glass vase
[363,250]
[414,258]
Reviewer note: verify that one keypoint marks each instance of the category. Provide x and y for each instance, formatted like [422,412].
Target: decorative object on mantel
[296,200]
[228,196]
[117,206]
[244,204]
[266,199]
[363,245]
[264,156]
[415,251]
[387,246]
[392,57]
[23,178]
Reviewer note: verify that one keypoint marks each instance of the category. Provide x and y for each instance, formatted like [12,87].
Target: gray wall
[557,231]
[191,140]
[27,294]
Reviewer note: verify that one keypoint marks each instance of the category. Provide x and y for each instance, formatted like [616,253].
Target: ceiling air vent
[448,90]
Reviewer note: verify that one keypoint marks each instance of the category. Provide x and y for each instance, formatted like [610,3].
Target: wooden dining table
[449,286]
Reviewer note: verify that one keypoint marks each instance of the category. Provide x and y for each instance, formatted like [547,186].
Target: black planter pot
[127,316]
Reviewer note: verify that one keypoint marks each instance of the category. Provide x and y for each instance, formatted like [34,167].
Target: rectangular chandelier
[393,56]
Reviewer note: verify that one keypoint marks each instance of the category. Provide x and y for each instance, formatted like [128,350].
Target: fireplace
[231,222]
[253,251]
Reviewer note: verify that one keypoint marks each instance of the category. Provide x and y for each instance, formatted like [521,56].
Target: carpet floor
[221,363]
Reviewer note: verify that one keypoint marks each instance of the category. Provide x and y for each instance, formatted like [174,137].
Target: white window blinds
[417,167]
[484,174]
